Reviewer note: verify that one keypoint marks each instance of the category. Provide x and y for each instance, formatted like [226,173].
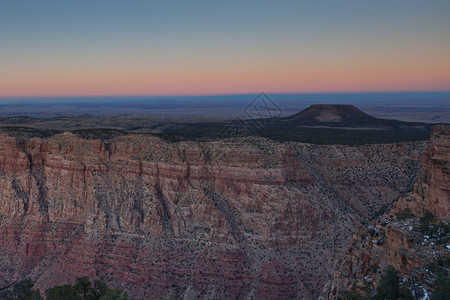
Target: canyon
[412,235]
[243,217]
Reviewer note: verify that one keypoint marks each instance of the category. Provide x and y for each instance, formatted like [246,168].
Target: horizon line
[225,94]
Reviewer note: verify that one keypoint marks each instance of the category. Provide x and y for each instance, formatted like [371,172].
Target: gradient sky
[142,47]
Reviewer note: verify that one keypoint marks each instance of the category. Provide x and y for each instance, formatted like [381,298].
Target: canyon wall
[237,218]
[406,236]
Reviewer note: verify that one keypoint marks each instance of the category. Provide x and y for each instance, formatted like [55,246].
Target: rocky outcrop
[234,218]
[434,186]
[405,236]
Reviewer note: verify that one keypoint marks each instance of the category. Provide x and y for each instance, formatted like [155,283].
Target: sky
[143,47]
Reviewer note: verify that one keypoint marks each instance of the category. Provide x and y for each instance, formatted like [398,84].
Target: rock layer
[399,237]
[237,218]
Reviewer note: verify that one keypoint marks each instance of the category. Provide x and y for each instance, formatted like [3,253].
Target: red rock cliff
[245,217]
[400,238]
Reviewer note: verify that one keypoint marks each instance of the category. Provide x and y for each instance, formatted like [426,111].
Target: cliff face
[434,184]
[243,217]
[406,236]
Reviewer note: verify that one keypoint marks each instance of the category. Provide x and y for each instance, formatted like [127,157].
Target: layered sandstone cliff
[237,218]
[406,236]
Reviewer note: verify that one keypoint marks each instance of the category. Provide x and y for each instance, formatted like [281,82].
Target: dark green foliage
[62,292]
[114,294]
[405,293]
[100,289]
[374,268]
[425,221]
[289,131]
[389,286]
[352,294]
[83,289]
[404,214]
[170,137]
[380,212]
[438,264]
[98,133]
[437,231]
[441,287]
[440,232]
[22,290]
[28,132]
[83,285]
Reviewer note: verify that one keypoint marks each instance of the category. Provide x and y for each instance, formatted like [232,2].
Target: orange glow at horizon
[95,48]
[276,78]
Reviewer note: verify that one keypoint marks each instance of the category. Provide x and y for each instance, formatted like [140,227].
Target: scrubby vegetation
[356,130]
[353,294]
[82,289]
[28,132]
[404,214]
[292,132]
[98,133]
[22,290]
[431,281]
[441,286]
[438,231]
[390,287]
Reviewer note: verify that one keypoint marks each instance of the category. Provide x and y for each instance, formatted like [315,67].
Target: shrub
[374,268]
[389,286]
[404,214]
[62,292]
[380,212]
[438,264]
[21,290]
[425,221]
[441,287]
[440,232]
[84,290]
[352,294]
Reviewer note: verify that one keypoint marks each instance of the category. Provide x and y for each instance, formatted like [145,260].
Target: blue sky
[205,47]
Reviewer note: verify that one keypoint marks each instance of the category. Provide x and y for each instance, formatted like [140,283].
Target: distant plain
[432,107]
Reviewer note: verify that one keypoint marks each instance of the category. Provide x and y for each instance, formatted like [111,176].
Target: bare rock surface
[406,236]
[237,218]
